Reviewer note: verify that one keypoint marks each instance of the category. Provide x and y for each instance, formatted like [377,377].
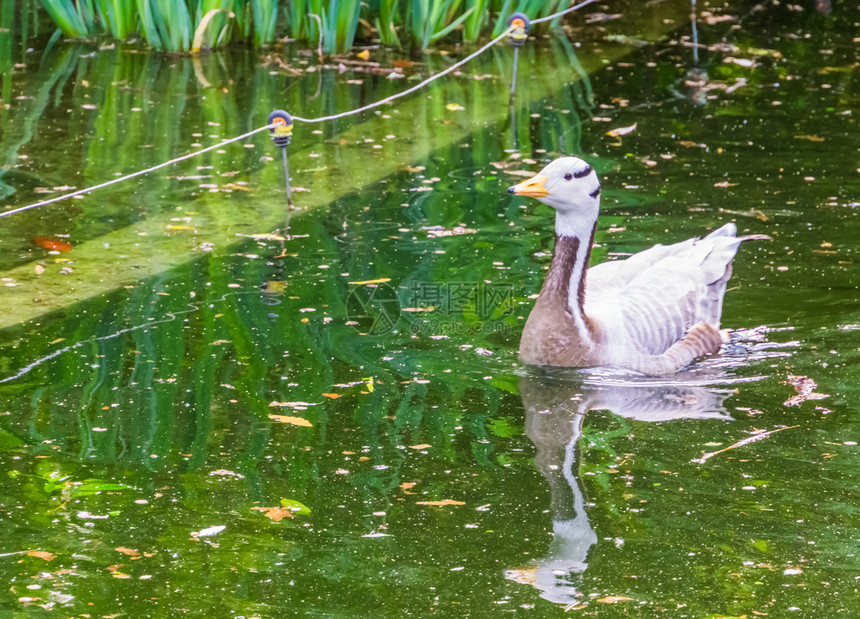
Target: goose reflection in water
[555,408]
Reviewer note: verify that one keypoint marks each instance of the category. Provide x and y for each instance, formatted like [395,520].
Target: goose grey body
[654,312]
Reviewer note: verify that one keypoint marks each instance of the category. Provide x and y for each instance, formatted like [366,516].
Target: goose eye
[568,176]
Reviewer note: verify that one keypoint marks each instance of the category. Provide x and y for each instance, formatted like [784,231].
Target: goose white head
[571,187]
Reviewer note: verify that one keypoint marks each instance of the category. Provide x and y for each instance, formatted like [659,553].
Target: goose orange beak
[534,187]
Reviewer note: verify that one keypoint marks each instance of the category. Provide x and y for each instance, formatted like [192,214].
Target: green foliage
[75,19]
[118,16]
[265,19]
[432,20]
[296,507]
[337,25]
[195,25]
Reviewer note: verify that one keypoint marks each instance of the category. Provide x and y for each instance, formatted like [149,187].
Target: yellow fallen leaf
[811,138]
[613,599]
[365,282]
[619,131]
[364,54]
[333,396]
[296,421]
[127,551]
[41,554]
[179,227]
[274,286]
[454,107]
[236,186]
[440,503]
[422,446]
[264,237]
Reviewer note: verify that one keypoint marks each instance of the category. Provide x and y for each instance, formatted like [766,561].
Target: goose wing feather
[647,302]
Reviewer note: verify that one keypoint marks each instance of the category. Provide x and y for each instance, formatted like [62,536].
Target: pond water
[215,406]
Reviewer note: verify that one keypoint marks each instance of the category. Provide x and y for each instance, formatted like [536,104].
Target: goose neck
[565,282]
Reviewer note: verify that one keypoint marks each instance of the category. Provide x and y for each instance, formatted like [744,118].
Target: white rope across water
[359,110]
[408,91]
[133,174]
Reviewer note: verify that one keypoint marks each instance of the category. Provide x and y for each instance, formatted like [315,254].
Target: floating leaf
[296,421]
[614,599]
[422,446]
[52,244]
[296,507]
[131,552]
[209,531]
[41,554]
[805,388]
[454,107]
[236,187]
[333,396]
[366,282]
[442,503]
[619,131]
[296,405]
[275,513]
[263,237]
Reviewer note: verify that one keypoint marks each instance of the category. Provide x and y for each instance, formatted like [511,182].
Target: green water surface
[214,406]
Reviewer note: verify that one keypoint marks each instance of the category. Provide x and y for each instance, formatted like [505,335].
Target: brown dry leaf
[805,388]
[421,446]
[405,486]
[455,231]
[525,173]
[296,421]
[275,513]
[264,236]
[296,405]
[619,131]
[614,599]
[333,396]
[441,503]
[127,551]
[713,20]
[42,554]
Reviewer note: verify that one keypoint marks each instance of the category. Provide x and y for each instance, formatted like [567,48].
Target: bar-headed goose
[653,312]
